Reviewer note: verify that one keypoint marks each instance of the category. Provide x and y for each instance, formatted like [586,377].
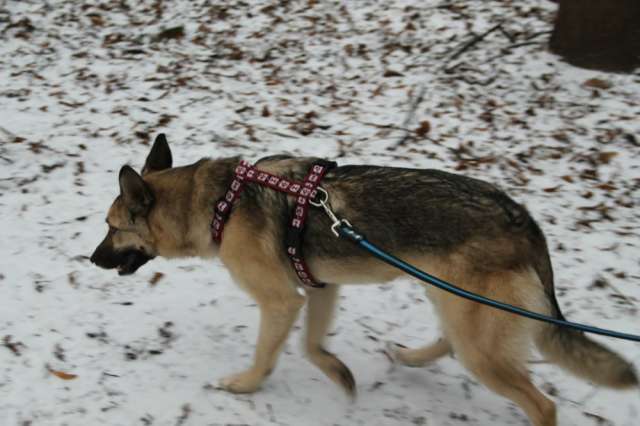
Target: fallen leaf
[425,127]
[607,187]
[13,346]
[599,283]
[392,73]
[606,157]
[61,374]
[96,19]
[170,33]
[156,277]
[596,83]
[561,137]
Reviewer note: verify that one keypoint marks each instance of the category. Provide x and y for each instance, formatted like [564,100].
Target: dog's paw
[400,354]
[391,351]
[418,357]
[245,382]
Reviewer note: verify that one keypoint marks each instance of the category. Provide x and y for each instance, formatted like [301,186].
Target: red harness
[304,192]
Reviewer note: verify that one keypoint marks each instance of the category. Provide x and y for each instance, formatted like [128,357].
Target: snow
[84,86]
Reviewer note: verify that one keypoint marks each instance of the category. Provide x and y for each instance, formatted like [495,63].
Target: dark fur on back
[423,210]
[400,209]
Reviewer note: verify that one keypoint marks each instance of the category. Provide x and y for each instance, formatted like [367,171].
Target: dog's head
[130,240]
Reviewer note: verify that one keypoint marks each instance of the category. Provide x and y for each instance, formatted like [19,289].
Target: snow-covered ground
[84,87]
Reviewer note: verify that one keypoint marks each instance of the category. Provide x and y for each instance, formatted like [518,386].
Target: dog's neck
[185,197]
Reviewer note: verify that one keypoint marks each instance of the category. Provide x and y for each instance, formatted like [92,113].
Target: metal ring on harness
[324,203]
[320,203]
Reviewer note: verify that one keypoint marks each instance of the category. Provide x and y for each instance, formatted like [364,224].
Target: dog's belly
[364,270]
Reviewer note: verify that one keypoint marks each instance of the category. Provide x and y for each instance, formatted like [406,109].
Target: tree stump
[598,34]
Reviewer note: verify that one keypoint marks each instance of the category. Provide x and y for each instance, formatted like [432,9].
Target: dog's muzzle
[127,261]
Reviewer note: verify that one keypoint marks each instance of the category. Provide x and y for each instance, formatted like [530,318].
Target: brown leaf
[605,157]
[425,127]
[349,49]
[377,91]
[599,283]
[156,277]
[596,83]
[165,119]
[96,19]
[552,189]
[170,33]
[61,374]
[143,136]
[561,137]
[13,346]
[113,38]
[607,187]
[392,73]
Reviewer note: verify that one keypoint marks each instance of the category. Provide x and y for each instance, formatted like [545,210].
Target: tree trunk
[598,34]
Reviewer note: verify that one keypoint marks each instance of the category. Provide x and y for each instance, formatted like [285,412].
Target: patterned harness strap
[305,191]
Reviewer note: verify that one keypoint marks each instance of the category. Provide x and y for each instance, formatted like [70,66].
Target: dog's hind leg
[320,311]
[494,345]
[512,381]
[420,357]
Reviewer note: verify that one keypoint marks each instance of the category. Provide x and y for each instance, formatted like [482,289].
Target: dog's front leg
[259,269]
[276,319]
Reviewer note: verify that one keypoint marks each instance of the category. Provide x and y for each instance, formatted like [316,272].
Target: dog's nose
[93,258]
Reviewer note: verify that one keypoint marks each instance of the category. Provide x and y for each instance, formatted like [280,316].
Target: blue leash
[344,229]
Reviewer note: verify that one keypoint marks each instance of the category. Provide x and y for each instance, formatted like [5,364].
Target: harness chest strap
[305,191]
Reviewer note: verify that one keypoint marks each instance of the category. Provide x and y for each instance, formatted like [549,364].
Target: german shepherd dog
[460,229]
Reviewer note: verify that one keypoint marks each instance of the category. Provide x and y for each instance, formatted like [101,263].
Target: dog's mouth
[126,262]
[131,261]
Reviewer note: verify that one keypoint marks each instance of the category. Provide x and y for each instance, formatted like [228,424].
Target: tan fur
[420,357]
[586,358]
[320,310]
[256,268]
[492,344]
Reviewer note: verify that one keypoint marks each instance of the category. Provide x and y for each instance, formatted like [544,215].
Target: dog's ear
[160,156]
[136,194]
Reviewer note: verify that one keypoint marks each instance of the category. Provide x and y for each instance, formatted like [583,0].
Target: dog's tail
[586,358]
[571,349]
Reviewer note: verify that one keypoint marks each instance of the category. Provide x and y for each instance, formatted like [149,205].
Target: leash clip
[324,203]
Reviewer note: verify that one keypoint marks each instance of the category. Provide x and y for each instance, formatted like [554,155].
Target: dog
[463,230]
